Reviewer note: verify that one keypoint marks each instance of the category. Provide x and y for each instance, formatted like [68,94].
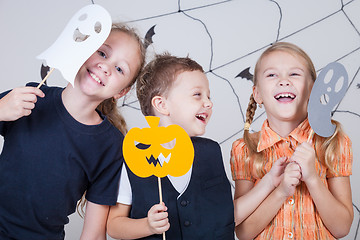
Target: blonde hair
[326,148]
[109,106]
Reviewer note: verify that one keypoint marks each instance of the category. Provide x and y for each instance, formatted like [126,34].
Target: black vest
[204,211]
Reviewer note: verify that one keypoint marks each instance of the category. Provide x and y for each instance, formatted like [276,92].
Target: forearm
[336,215]
[245,205]
[261,217]
[128,228]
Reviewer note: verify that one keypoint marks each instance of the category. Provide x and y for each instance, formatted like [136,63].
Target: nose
[105,68]
[208,103]
[284,81]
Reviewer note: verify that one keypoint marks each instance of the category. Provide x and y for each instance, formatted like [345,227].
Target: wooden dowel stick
[46,77]
[310,135]
[160,195]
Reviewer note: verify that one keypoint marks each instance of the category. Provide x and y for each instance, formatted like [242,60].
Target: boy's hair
[158,77]
[109,106]
[326,148]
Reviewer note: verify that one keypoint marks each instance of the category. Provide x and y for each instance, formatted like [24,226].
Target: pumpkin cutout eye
[169,145]
[141,146]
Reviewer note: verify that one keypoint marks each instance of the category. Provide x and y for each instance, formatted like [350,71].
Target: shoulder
[44,88]
[202,140]
[204,143]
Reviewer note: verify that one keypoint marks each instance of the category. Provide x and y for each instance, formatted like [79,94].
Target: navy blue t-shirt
[48,161]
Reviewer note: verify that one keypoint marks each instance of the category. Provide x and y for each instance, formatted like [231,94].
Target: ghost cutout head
[84,34]
[329,88]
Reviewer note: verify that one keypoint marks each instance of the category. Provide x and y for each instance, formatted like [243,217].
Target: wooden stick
[310,135]
[46,77]
[160,195]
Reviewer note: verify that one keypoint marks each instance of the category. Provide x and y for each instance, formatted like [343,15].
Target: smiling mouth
[202,117]
[93,76]
[285,97]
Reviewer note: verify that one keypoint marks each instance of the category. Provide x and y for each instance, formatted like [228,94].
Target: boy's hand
[158,219]
[292,176]
[277,171]
[304,155]
[18,103]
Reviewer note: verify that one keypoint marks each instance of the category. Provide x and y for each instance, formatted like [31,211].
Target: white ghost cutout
[84,34]
[329,88]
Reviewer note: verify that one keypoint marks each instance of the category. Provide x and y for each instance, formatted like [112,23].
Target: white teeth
[202,116]
[163,159]
[290,95]
[95,78]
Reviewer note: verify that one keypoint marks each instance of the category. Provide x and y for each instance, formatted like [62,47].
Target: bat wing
[148,36]
[246,74]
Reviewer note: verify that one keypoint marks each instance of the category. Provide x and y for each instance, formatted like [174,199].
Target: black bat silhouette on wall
[245,74]
[44,71]
[148,36]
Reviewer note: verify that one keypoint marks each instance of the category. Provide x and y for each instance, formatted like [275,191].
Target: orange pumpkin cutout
[142,159]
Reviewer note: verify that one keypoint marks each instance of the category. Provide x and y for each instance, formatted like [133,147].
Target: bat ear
[257,95]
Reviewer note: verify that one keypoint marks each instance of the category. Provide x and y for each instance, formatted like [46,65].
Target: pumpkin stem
[152,121]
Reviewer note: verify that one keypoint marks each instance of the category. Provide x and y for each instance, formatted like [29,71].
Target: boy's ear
[159,104]
[257,96]
[122,93]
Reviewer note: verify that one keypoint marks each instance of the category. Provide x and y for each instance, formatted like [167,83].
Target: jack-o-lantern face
[142,148]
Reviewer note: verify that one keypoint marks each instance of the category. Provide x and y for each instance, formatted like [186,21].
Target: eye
[271,75]
[169,145]
[141,146]
[101,54]
[197,94]
[119,69]
[294,74]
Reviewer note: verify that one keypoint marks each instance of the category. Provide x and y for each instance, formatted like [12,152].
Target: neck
[284,128]
[80,107]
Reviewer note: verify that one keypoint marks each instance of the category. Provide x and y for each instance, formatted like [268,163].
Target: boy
[199,204]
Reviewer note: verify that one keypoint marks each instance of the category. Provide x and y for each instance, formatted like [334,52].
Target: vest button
[184,203]
[187,223]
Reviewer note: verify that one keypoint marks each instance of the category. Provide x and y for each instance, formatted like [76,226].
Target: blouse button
[290,235]
[291,201]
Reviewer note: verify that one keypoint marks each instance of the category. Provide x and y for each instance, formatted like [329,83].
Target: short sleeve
[343,163]
[2,124]
[240,170]
[125,194]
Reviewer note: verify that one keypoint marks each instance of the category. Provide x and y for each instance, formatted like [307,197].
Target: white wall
[225,37]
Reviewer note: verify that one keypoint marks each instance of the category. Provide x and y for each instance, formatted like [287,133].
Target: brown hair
[326,148]
[109,106]
[158,77]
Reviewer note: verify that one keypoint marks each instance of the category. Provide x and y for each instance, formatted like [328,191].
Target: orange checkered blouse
[298,217]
